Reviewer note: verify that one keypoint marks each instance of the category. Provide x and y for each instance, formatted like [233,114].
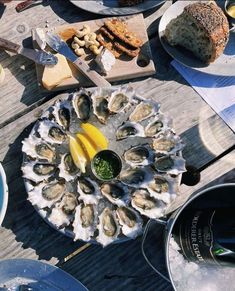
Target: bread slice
[201,28]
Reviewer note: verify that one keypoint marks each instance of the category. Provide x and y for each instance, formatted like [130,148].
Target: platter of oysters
[71,181]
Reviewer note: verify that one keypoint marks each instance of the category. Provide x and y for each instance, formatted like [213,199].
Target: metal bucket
[210,198]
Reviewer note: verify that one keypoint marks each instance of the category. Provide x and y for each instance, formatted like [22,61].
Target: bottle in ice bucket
[207,235]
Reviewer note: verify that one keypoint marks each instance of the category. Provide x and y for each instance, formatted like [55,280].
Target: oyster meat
[147,205]
[137,177]
[85,222]
[121,99]
[38,149]
[130,221]
[51,132]
[144,110]
[159,124]
[45,195]
[172,165]
[37,171]
[100,105]
[108,227]
[68,169]
[62,110]
[129,129]
[141,155]
[88,190]
[168,143]
[82,105]
[116,193]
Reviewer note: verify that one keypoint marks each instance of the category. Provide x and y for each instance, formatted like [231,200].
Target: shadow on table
[31,233]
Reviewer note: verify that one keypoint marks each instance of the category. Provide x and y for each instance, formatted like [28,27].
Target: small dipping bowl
[229,7]
[106,165]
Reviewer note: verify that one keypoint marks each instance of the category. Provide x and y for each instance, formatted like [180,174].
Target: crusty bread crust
[211,18]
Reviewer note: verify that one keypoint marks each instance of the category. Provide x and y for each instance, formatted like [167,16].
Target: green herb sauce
[106,167]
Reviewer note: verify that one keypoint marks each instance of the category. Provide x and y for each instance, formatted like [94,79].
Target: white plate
[110,7]
[3,194]
[37,275]
[223,66]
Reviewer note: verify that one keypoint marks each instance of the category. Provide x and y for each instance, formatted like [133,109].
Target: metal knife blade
[57,44]
[39,57]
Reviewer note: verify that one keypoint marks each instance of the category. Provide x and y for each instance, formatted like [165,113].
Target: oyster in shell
[136,177]
[62,110]
[108,227]
[168,143]
[140,155]
[51,132]
[100,105]
[130,221]
[129,129]
[121,99]
[62,214]
[116,193]
[159,124]
[82,105]
[45,195]
[85,222]
[147,205]
[38,149]
[88,190]
[68,169]
[38,171]
[144,110]
[172,165]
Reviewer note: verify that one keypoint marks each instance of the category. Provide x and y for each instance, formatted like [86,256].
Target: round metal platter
[36,275]
[3,194]
[109,130]
[110,7]
[223,66]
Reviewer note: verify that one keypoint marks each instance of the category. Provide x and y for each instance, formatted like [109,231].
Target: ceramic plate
[3,194]
[223,66]
[37,275]
[110,7]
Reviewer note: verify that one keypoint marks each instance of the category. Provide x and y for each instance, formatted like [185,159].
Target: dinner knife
[39,57]
[60,46]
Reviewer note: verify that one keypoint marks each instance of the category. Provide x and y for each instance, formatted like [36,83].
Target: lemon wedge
[77,153]
[95,135]
[88,147]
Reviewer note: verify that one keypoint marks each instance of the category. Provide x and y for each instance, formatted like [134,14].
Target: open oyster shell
[121,99]
[144,110]
[129,129]
[68,169]
[38,171]
[168,143]
[46,194]
[160,123]
[100,105]
[108,227]
[88,190]
[136,177]
[141,155]
[62,111]
[82,104]
[130,221]
[38,149]
[85,222]
[116,193]
[51,132]
[172,165]
[147,205]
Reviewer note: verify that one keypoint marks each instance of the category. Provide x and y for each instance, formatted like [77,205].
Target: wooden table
[210,149]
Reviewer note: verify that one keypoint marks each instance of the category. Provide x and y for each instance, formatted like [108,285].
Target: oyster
[116,193]
[158,125]
[38,149]
[108,227]
[130,221]
[61,214]
[85,222]
[62,110]
[172,165]
[144,110]
[51,132]
[137,177]
[45,195]
[168,143]
[141,155]
[162,188]
[68,169]
[82,105]
[88,190]
[129,129]
[121,99]
[100,105]
[147,205]
[37,171]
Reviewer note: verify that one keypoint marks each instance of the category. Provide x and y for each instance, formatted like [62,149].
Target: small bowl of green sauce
[106,165]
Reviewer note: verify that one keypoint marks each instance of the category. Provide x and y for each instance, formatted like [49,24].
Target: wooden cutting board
[125,68]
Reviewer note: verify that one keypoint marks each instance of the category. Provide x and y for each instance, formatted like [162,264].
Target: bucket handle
[142,246]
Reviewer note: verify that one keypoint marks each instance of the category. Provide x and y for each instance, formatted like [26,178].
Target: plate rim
[5,194]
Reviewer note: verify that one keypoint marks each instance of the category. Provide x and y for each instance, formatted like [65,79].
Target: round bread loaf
[201,28]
